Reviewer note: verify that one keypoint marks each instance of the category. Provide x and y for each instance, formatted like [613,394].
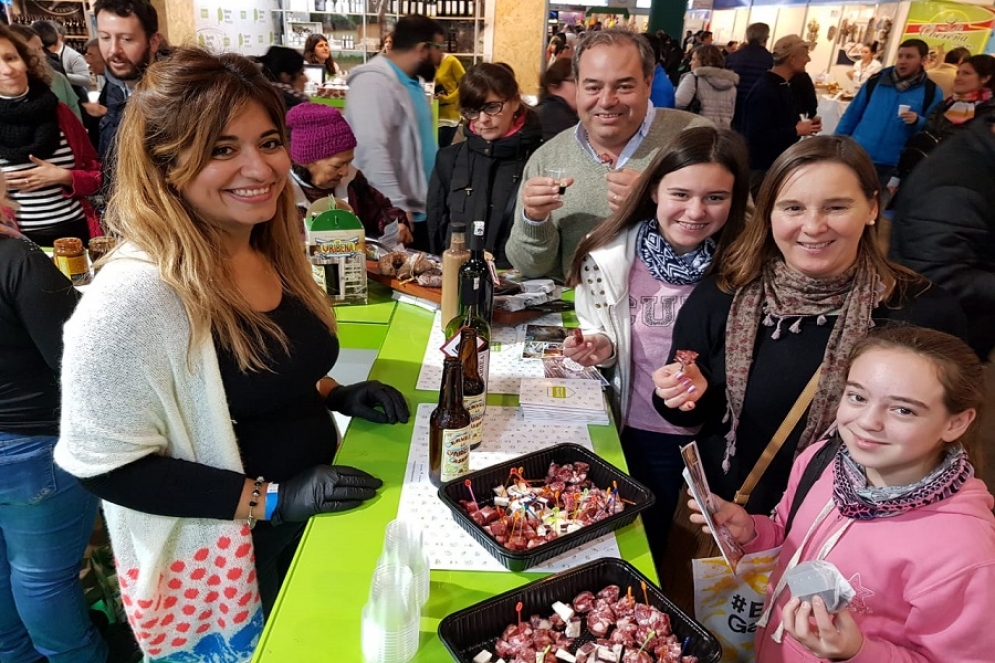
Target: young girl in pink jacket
[897,510]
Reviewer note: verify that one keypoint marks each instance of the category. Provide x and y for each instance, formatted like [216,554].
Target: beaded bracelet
[254,501]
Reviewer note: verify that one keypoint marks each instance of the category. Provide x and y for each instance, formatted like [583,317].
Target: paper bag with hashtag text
[729,604]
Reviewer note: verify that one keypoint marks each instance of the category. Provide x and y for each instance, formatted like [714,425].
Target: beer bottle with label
[469,297]
[449,428]
[476,268]
[474,390]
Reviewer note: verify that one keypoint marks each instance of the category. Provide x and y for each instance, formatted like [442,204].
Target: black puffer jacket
[937,129]
[944,226]
[478,180]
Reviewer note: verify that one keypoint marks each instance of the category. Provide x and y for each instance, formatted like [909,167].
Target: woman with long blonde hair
[195,389]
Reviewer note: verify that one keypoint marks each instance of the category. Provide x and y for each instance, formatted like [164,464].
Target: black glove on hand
[360,399]
[323,489]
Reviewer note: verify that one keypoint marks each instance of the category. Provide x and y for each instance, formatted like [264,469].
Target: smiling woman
[795,292]
[223,343]
[632,274]
[45,154]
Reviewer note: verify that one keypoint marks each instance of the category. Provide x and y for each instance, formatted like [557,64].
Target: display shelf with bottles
[72,16]
[355,29]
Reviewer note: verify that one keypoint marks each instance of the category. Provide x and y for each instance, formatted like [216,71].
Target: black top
[280,420]
[770,119]
[478,180]
[944,226]
[35,302]
[555,115]
[779,372]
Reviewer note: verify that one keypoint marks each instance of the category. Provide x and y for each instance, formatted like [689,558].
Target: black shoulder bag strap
[820,461]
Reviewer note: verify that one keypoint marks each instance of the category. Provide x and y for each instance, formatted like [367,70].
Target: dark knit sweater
[779,372]
[770,120]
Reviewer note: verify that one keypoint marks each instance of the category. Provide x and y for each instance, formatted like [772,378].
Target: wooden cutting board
[501,317]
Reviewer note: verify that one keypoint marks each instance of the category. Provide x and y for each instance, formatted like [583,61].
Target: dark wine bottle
[474,389]
[469,289]
[476,270]
[449,428]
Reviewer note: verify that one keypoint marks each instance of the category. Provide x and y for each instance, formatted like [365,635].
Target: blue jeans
[45,522]
[654,460]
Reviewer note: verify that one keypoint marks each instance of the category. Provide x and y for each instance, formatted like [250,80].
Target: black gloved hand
[360,399]
[323,489]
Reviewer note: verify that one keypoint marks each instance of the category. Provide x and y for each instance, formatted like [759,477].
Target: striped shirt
[48,206]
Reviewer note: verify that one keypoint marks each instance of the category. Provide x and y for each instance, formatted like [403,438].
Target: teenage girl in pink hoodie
[897,510]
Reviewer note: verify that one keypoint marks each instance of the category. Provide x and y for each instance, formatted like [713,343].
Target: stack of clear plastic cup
[391,618]
[404,545]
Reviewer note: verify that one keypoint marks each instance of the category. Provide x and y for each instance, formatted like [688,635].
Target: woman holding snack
[891,506]
[797,289]
[633,273]
[216,451]
[478,178]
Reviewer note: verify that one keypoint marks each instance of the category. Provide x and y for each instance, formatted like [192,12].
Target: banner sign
[945,26]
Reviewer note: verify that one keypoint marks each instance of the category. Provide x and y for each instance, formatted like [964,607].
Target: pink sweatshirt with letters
[924,580]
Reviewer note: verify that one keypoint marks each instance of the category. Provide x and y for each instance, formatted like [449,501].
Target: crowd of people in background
[682,187]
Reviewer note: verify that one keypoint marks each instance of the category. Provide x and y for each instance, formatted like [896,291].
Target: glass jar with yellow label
[70,258]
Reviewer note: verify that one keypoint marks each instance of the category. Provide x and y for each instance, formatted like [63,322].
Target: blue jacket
[872,120]
[662,93]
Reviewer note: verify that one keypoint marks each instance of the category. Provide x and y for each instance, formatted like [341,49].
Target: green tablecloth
[317,616]
[340,104]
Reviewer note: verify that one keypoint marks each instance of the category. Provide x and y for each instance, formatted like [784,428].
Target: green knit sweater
[547,249]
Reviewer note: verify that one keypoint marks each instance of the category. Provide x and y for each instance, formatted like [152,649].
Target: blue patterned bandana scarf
[855,498]
[664,263]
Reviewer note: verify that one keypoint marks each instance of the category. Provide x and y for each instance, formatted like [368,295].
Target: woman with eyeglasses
[478,179]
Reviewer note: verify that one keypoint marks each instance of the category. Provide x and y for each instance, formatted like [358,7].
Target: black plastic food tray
[467,632]
[536,464]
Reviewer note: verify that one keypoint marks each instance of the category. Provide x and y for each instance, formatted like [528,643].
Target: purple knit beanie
[317,132]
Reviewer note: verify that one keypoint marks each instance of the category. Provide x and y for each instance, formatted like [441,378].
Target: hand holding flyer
[694,474]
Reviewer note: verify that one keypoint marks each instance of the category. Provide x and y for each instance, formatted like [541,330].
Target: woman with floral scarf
[796,291]
[633,273]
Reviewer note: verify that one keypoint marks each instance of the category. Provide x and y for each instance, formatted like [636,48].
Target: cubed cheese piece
[541,530]
[544,624]
[573,628]
[565,656]
[573,527]
[483,657]
[563,610]
[607,655]
[501,502]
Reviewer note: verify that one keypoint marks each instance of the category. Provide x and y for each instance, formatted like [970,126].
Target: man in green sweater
[618,136]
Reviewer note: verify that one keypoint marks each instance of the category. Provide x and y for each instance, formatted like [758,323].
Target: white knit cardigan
[132,386]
